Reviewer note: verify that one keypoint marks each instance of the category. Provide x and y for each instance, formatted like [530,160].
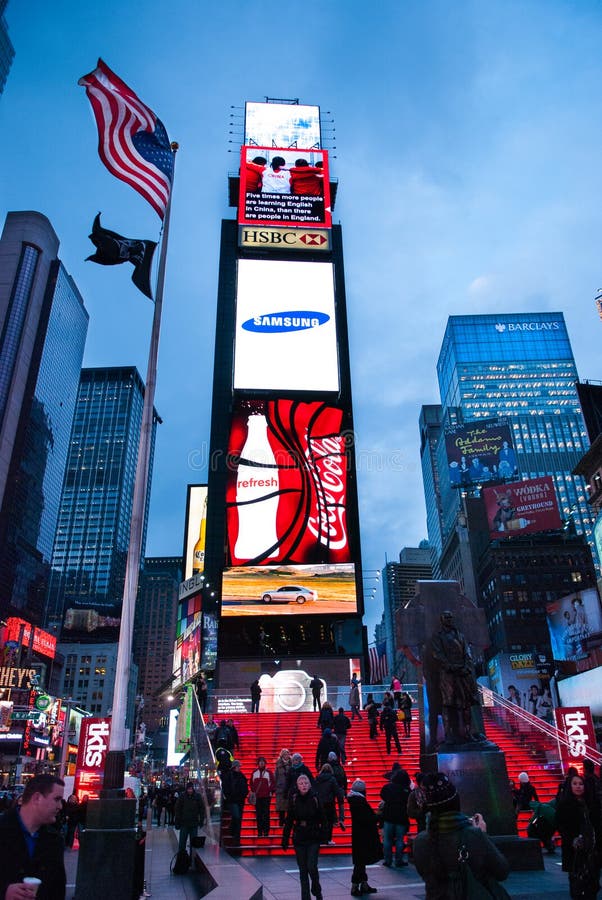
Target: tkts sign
[91,753]
[287,487]
[575,722]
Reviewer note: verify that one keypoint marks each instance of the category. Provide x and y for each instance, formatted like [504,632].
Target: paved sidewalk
[280,877]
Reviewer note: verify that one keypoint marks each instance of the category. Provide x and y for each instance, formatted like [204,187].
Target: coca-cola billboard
[287,491]
[92,750]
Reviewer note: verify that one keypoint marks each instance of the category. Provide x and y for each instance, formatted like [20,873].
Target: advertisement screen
[286,489]
[286,590]
[284,187]
[194,535]
[282,125]
[574,622]
[480,451]
[523,679]
[187,649]
[578,728]
[523,507]
[26,635]
[92,750]
[286,337]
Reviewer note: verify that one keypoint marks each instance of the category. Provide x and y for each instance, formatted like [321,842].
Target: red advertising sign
[576,723]
[91,753]
[20,631]
[286,492]
[284,187]
[522,507]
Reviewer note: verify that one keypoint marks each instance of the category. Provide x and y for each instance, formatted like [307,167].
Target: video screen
[288,590]
[282,124]
[194,535]
[523,507]
[480,451]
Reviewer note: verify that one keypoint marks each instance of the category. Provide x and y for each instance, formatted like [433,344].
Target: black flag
[113,249]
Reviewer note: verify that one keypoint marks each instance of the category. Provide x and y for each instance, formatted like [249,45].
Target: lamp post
[65,743]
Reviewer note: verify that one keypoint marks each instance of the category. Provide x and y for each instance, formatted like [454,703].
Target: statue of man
[457,683]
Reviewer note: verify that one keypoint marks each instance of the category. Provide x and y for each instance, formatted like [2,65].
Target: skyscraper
[43,331]
[7,51]
[399,586]
[520,367]
[88,562]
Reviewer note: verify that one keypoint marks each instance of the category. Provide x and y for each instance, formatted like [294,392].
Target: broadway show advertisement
[575,723]
[575,624]
[523,507]
[523,679]
[91,753]
[284,187]
[280,590]
[286,336]
[480,451]
[187,649]
[286,491]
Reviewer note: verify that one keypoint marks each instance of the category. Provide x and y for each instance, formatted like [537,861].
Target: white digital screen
[286,336]
[282,125]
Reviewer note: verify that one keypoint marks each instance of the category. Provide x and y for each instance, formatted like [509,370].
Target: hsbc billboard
[286,336]
[308,239]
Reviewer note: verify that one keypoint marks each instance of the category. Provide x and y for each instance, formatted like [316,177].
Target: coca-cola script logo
[286,493]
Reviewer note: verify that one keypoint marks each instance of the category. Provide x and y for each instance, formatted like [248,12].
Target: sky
[465,139]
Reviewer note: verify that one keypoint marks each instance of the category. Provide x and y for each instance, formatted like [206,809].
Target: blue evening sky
[469,167]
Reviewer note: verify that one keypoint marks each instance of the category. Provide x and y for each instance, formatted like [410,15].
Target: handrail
[555,734]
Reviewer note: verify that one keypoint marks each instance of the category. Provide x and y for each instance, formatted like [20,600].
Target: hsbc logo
[313,240]
[301,320]
[278,238]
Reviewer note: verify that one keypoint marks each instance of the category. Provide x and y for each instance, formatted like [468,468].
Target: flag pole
[115,759]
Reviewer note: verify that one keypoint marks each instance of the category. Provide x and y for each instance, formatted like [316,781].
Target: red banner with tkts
[91,752]
[575,722]
[286,493]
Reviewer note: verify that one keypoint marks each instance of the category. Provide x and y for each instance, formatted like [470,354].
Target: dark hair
[278,161]
[259,160]
[301,162]
[588,766]
[41,784]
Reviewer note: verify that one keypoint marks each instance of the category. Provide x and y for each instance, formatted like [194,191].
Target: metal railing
[292,694]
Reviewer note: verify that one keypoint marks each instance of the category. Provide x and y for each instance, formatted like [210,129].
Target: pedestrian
[341,726]
[341,779]
[298,767]
[170,807]
[224,736]
[354,700]
[366,847]
[406,708]
[210,729]
[578,821]
[235,740]
[388,724]
[396,688]
[235,789]
[436,850]
[591,780]
[371,707]
[525,794]
[72,819]
[417,802]
[189,816]
[326,717]
[30,845]
[262,785]
[255,696]
[327,744]
[316,690]
[283,767]
[202,693]
[305,819]
[395,794]
[330,796]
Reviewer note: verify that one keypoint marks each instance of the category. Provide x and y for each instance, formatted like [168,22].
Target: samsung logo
[527,326]
[296,320]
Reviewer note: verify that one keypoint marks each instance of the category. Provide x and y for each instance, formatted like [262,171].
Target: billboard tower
[282,565]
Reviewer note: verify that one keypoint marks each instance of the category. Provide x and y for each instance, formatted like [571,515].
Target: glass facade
[7,51]
[519,366]
[93,530]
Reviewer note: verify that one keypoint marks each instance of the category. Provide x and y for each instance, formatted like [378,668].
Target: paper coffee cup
[34,883]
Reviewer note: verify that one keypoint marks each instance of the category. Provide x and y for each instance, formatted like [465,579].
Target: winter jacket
[294,773]
[366,847]
[305,818]
[342,724]
[326,718]
[189,811]
[395,794]
[327,744]
[235,787]
[327,790]
[281,784]
[47,862]
[262,783]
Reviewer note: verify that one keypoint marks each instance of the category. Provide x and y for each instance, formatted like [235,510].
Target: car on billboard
[289,593]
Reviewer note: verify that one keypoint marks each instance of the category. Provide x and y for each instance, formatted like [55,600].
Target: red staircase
[265,734]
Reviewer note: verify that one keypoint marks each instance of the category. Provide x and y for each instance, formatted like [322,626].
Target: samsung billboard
[282,125]
[286,337]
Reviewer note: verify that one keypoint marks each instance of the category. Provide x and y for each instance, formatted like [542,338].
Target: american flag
[378,662]
[132,141]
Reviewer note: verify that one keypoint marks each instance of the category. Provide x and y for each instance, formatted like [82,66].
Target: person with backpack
[406,708]
[452,842]
[341,726]
[388,724]
[329,794]
[189,816]
[327,744]
[305,819]
[326,717]
[341,779]
[235,789]
[371,707]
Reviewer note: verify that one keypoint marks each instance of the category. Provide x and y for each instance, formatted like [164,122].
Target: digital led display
[282,124]
[480,451]
[286,337]
[194,535]
[286,489]
[288,590]
[574,622]
[284,187]
[523,507]
[187,649]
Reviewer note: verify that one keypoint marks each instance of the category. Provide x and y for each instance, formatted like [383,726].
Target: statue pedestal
[481,779]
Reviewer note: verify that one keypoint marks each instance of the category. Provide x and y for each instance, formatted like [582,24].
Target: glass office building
[93,531]
[7,51]
[519,366]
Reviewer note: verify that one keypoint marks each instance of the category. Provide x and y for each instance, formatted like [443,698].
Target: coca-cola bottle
[256,494]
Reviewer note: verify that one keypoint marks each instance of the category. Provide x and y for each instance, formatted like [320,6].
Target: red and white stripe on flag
[378,664]
[120,116]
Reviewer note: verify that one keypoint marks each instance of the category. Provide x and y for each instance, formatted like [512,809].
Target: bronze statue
[458,692]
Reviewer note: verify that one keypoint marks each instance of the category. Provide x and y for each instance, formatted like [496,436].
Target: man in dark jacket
[388,724]
[327,744]
[235,788]
[366,848]
[342,724]
[316,690]
[189,815]
[396,823]
[30,846]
